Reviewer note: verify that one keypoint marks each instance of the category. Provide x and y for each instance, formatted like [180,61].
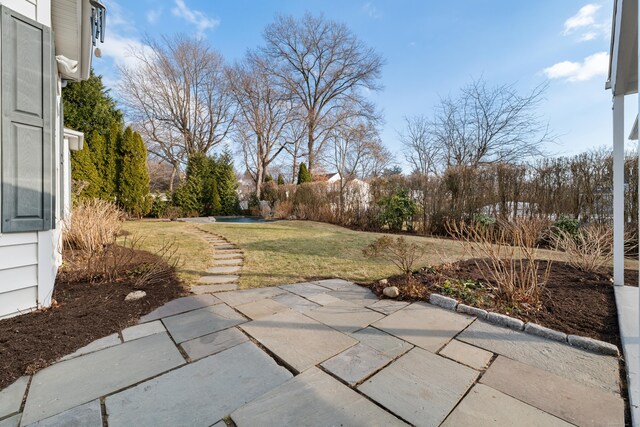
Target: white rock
[135,295]
[391,291]
[384,281]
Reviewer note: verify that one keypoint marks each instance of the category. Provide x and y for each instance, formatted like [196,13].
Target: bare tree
[294,133]
[420,147]
[325,66]
[263,113]
[176,95]
[487,125]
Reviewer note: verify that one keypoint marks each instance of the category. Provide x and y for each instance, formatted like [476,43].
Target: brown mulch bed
[574,302]
[82,312]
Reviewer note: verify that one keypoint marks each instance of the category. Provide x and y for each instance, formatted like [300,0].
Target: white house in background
[43,43]
[623,80]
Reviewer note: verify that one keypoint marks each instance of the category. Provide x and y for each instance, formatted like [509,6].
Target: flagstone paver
[420,387]
[334,284]
[219,279]
[387,306]
[355,294]
[79,380]
[312,398]
[181,305]
[216,342]
[356,363]
[11,397]
[295,302]
[561,359]
[298,340]
[13,421]
[99,344]
[249,295]
[224,246]
[572,401]
[87,415]
[261,308]
[486,407]
[143,330]
[224,269]
[323,299]
[229,255]
[344,316]
[424,325]
[227,262]
[203,321]
[200,393]
[210,289]
[382,341]
[305,290]
[466,354]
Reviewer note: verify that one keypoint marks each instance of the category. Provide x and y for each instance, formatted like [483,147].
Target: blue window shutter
[27,139]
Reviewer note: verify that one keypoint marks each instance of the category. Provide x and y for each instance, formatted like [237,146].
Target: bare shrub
[162,268]
[506,254]
[590,249]
[399,251]
[282,209]
[93,226]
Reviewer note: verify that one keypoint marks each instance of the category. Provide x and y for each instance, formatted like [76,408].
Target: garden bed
[574,302]
[82,312]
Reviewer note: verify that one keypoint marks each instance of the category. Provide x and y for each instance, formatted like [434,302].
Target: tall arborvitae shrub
[133,175]
[280,179]
[303,174]
[86,181]
[227,183]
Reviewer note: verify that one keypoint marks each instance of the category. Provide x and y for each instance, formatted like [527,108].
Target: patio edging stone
[585,343]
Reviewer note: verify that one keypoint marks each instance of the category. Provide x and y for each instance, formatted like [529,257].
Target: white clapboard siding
[18,256]
[17,278]
[16,302]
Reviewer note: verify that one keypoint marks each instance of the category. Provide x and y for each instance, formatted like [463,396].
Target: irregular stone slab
[220,423]
[486,407]
[180,305]
[11,397]
[87,415]
[420,387]
[466,354]
[424,325]
[143,330]
[219,251]
[203,321]
[198,394]
[230,255]
[99,344]
[324,299]
[572,401]
[312,399]
[228,262]
[305,290]
[224,246]
[249,295]
[219,279]
[224,270]
[387,306]
[261,308]
[356,364]
[80,380]
[356,295]
[210,289]
[334,284]
[295,302]
[13,421]
[561,359]
[344,316]
[213,343]
[382,341]
[299,341]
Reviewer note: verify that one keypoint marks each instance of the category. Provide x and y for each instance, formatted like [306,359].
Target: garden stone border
[503,320]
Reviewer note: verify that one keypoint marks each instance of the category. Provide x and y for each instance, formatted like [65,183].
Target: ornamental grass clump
[93,226]
[506,253]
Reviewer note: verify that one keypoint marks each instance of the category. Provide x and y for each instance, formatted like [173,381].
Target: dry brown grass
[94,225]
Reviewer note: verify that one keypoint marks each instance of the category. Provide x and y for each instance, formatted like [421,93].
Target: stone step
[219,279]
[209,289]
[230,255]
[224,269]
[224,246]
[222,262]
[227,251]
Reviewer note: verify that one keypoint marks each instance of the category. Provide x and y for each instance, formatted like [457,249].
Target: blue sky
[432,48]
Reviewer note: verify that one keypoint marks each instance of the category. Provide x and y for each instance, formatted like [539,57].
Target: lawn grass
[195,253]
[295,251]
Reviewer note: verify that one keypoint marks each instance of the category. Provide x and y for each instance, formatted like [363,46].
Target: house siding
[29,261]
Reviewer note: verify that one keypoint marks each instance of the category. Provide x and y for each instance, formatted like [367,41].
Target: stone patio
[322,353]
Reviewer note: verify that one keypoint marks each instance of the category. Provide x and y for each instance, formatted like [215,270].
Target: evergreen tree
[280,179]
[227,182]
[303,174]
[133,176]
[216,205]
[87,182]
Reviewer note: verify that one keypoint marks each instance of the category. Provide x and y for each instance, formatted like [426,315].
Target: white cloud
[199,19]
[584,18]
[592,66]
[372,11]
[119,48]
[153,15]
